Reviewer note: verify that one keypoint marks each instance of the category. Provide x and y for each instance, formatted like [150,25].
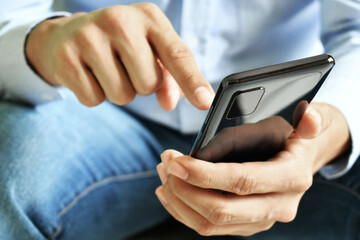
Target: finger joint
[245,184]
[220,215]
[176,52]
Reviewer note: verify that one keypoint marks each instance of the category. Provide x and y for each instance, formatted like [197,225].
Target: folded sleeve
[18,82]
[341,38]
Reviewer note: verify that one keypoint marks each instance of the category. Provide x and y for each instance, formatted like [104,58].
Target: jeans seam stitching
[94,186]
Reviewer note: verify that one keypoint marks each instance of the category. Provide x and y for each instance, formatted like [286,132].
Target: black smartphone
[254,95]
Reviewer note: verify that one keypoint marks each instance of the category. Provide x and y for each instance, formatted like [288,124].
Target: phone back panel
[254,95]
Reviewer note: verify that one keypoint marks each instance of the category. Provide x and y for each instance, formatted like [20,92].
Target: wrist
[35,48]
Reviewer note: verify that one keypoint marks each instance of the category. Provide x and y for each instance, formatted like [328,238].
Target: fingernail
[161,195]
[178,171]
[203,96]
[162,156]
[165,158]
[162,173]
[315,115]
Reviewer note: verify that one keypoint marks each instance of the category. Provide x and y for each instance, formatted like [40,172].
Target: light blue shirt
[225,36]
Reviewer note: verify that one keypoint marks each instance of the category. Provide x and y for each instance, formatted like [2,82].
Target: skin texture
[115,53]
[232,198]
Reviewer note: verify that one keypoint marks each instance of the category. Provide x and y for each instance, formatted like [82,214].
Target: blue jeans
[72,172]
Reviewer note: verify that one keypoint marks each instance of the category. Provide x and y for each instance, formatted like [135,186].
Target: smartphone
[254,95]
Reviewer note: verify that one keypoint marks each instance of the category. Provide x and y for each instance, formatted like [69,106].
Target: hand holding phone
[231,198]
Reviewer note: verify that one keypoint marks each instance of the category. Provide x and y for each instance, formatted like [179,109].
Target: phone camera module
[245,102]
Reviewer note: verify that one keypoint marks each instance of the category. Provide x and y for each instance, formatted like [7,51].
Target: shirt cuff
[20,83]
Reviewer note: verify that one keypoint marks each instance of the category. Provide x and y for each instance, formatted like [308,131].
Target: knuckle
[151,10]
[244,184]
[114,14]
[220,215]
[178,52]
[85,37]
[208,179]
[116,19]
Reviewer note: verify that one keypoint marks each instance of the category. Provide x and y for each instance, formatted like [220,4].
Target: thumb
[316,119]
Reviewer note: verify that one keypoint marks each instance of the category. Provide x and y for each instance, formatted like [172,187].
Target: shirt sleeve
[341,38]
[18,82]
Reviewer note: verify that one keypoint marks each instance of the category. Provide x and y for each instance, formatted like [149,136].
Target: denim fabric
[72,172]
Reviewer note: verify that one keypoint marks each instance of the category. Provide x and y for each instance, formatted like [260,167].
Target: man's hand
[115,53]
[246,198]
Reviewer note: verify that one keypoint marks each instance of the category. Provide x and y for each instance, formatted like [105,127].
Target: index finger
[180,62]
[241,178]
